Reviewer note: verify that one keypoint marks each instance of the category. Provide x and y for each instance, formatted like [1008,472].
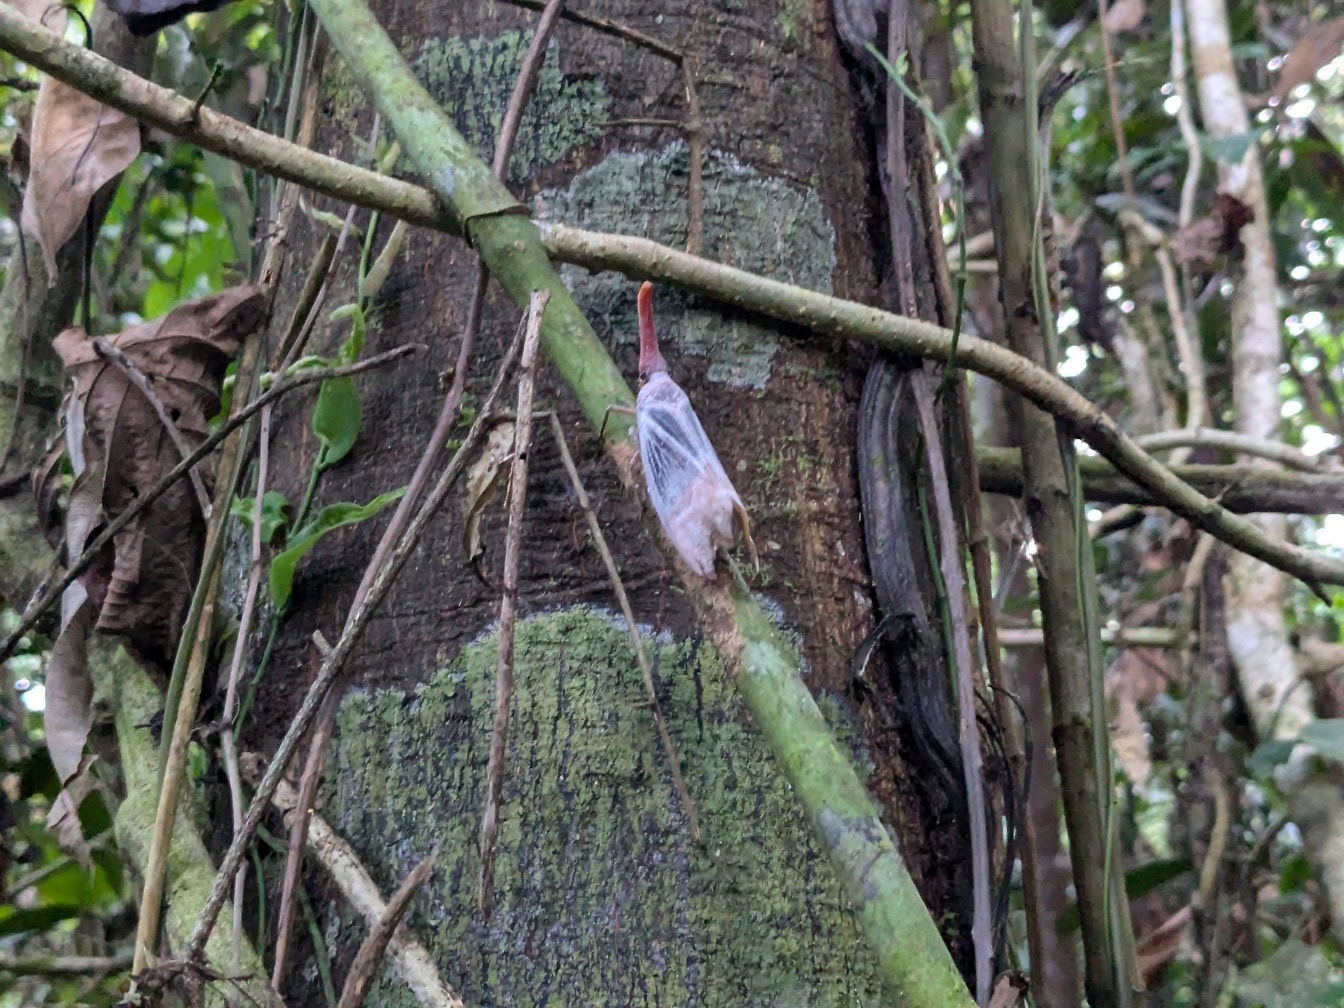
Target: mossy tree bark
[601,896]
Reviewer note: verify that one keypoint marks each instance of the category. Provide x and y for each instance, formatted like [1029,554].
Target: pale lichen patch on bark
[473,78]
[752,220]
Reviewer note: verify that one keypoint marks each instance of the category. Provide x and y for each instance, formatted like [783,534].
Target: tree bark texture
[601,896]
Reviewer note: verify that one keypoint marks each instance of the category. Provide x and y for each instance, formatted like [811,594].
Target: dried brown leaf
[1320,45]
[78,145]
[483,482]
[1010,990]
[63,819]
[67,716]
[141,586]
[1219,234]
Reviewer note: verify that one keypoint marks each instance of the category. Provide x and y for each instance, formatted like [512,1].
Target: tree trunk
[600,893]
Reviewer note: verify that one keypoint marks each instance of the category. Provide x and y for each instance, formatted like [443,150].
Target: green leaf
[1326,736]
[336,419]
[1268,755]
[331,517]
[14,922]
[273,518]
[1229,150]
[354,344]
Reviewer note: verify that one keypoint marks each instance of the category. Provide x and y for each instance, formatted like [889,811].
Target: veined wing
[673,445]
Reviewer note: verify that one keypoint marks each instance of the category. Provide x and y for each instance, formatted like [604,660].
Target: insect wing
[673,446]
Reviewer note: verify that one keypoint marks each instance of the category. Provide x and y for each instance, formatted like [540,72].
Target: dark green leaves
[330,518]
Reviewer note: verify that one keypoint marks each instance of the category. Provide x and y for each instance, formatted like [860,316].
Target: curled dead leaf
[483,481]
[63,819]
[120,448]
[1219,234]
[78,146]
[1315,49]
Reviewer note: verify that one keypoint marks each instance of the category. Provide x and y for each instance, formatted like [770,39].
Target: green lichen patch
[473,77]
[759,223]
[601,896]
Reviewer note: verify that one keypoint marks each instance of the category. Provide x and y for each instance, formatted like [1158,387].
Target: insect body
[690,491]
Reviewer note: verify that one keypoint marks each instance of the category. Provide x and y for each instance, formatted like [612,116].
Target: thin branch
[1239,488]
[255,564]
[966,675]
[302,328]
[636,641]
[414,963]
[818,313]
[63,965]
[508,603]
[366,963]
[1245,444]
[832,316]
[607,27]
[275,392]
[1158,637]
[429,458]
[331,665]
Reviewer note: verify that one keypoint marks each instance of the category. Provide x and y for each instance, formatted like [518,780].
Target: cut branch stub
[142,588]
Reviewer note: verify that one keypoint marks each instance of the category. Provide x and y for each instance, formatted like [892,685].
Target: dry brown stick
[303,308]
[118,359]
[368,958]
[965,674]
[275,392]
[508,603]
[227,744]
[331,664]
[608,27]
[63,965]
[636,642]
[415,964]
[165,818]
[302,330]
[429,458]
[695,151]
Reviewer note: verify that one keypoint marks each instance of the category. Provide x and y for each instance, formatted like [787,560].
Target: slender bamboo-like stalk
[1010,142]
[913,962]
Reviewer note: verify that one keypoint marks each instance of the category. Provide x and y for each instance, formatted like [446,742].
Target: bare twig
[508,603]
[972,760]
[1245,444]
[636,642]
[824,314]
[368,959]
[301,330]
[331,664]
[117,359]
[1117,120]
[607,27]
[63,965]
[429,458]
[240,644]
[275,392]
[165,818]
[696,137]
[414,963]
[303,308]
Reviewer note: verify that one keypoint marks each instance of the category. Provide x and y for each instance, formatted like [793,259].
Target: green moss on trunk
[600,888]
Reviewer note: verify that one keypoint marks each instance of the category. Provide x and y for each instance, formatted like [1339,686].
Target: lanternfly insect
[690,491]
